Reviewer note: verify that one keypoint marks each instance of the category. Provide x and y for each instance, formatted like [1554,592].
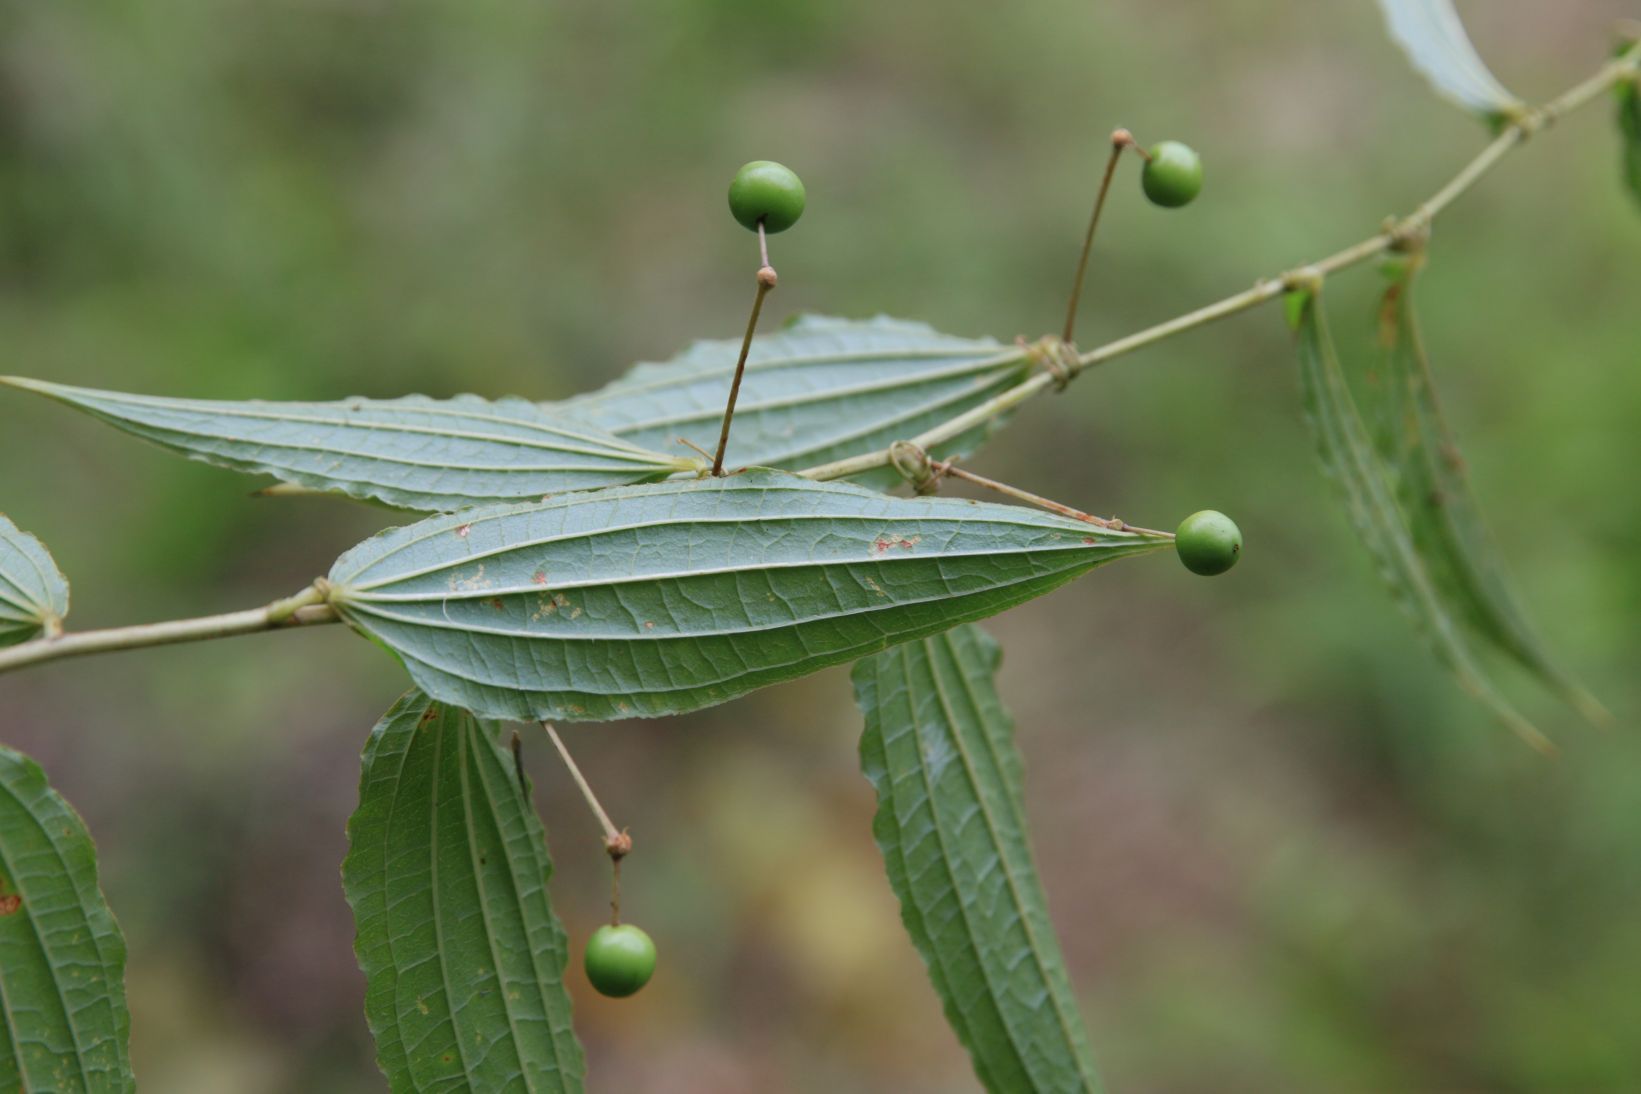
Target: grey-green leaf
[816,391]
[412,453]
[1430,33]
[33,592]
[447,874]
[62,958]
[1443,515]
[939,749]
[1350,461]
[658,599]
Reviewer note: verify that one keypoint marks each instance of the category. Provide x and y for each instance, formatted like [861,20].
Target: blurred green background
[1283,851]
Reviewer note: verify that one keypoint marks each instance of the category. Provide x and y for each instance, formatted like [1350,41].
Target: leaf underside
[1443,515]
[62,958]
[411,453]
[447,873]
[1348,458]
[33,592]
[816,391]
[658,599]
[1433,38]
[939,749]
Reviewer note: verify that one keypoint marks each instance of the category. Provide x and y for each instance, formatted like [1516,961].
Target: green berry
[1172,176]
[767,191]
[619,960]
[1208,543]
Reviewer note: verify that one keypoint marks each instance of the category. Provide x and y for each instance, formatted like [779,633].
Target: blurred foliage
[1284,852]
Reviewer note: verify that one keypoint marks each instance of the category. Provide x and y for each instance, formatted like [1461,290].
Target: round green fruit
[766,191]
[619,960]
[1208,543]
[1172,176]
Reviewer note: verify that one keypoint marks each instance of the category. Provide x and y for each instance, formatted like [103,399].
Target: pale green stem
[305,608]
[1621,68]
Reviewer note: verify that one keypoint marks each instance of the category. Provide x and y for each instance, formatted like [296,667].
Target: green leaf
[1629,131]
[951,823]
[1348,458]
[447,874]
[1443,515]
[1430,33]
[33,592]
[62,959]
[413,453]
[649,600]
[817,391]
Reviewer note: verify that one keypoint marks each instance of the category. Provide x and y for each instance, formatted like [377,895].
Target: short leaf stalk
[766,281]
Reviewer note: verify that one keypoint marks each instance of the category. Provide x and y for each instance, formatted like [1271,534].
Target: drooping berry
[767,191]
[1208,543]
[619,960]
[1172,176]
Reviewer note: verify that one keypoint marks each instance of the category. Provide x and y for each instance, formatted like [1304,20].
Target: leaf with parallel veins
[938,748]
[659,599]
[447,872]
[819,390]
[412,453]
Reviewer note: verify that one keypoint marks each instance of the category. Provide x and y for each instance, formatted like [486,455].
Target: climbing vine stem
[1624,67]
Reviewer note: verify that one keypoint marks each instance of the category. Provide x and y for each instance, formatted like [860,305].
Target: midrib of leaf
[941,692]
[478,519]
[354,596]
[227,409]
[512,879]
[775,364]
[1386,524]
[726,632]
[436,891]
[392,951]
[963,368]
[17,885]
[484,907]
[1067,1027]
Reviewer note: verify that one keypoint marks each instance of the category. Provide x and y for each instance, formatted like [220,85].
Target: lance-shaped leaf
[33,592]
[1350,461]
[649,600]
[1443,516]
[413,453]
[62,959]
[447,874]
[1430,33]
[939,749]
[817,391]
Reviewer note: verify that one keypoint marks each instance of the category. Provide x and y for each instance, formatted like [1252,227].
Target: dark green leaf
[1349,459]
[817,391]
[1443,516]
[1430,33]
[33,592]
[649,600]
[414,452]
[447,874]
[62,959]
[939,749]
